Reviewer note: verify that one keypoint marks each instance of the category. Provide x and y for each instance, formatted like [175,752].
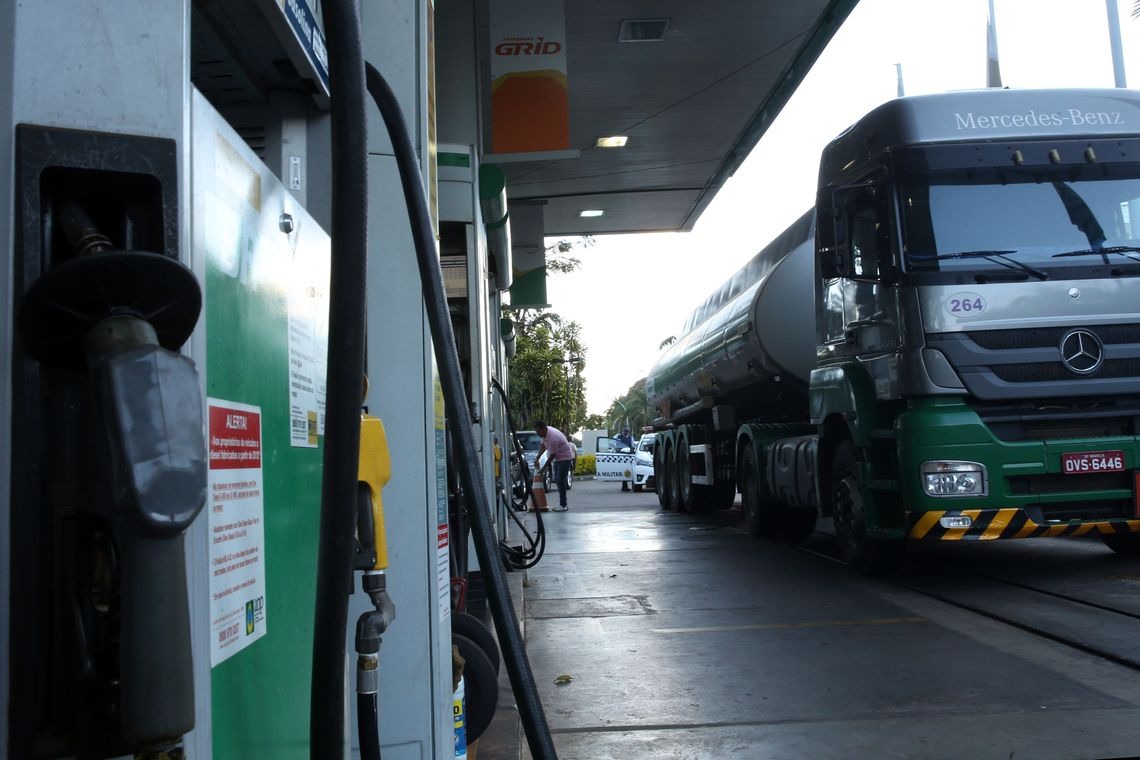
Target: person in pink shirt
[561,453]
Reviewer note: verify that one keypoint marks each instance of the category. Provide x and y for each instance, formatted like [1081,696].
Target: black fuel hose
[367,721]
[528,491]
[345,369]
[443,340]
[523,558]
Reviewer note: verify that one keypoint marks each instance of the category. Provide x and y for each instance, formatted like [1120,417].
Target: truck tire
[674,478]
[864,554]
[668,479]
[684,476]
[758,517]
[660,479]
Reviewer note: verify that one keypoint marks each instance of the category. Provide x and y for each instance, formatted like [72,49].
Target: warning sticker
[308,310]
[237,534]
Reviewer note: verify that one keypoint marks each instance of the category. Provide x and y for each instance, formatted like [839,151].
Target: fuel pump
[349,72]
[121,446]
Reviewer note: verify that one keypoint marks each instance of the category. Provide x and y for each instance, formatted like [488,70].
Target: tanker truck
[945,348]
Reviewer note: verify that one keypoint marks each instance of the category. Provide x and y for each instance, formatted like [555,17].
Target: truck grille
[1053,483]
[1008,365]
[1058,419]
[1047,337]
[1054,371]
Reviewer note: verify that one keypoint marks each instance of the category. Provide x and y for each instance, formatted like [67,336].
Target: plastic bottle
[459,721]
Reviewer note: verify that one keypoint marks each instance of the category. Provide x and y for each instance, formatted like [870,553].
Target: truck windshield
[997,222]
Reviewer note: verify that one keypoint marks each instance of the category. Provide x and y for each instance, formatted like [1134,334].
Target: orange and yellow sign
[530,101]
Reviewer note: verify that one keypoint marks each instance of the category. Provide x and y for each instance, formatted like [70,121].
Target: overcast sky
[655,280]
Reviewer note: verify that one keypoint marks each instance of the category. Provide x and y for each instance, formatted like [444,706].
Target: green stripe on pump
[454,159]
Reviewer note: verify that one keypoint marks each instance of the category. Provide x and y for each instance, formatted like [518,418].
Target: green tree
[546,381]
[558,259]
[594,422]
[631,408]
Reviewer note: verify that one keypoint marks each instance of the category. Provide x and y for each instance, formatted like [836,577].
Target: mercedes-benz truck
[946,347]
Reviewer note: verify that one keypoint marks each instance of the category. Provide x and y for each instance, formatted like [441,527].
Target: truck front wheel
[860,552]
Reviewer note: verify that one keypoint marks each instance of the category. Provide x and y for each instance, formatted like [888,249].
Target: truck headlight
[942,478]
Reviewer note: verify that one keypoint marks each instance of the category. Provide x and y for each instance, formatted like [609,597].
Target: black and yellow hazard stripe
[994,524]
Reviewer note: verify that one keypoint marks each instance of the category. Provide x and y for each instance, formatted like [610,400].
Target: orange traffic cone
[538,494]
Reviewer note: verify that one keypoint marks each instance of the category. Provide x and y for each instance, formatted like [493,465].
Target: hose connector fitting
[367,674]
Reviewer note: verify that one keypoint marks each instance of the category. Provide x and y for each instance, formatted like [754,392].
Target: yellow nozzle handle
[375,471]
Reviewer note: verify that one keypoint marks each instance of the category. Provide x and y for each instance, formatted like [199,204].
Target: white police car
[643,468]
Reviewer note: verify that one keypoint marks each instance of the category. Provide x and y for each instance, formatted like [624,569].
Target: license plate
[1085,462]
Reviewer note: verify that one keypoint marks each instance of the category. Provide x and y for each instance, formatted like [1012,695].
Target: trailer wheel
[668,478]
[757,520]
[660,479]
[864,554]
[1127,544]
[674,480]
[684,477]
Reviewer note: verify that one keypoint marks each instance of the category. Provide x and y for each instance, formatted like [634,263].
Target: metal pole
[623,409]
[1115,43]
[993,67]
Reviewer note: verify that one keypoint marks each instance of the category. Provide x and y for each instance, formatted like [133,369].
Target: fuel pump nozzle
[122,316]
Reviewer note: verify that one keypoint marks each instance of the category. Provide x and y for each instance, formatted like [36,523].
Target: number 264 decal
[964,305]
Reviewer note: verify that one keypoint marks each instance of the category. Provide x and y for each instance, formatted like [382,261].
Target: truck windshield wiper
[996,256]
[1129,251]
[1081,216]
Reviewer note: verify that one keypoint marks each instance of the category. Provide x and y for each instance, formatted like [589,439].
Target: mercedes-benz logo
[1081,351]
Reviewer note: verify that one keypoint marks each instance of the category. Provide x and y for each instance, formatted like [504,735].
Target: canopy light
[588,213]
[616,141]
[643,30]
